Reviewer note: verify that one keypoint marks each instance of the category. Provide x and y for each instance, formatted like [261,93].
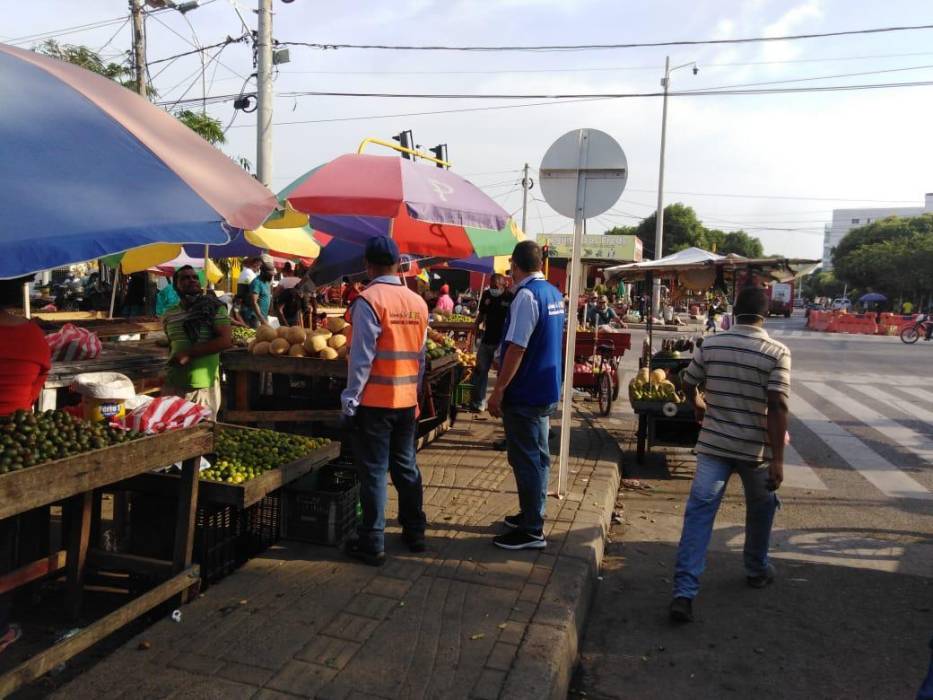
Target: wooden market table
[105,328]
[74,482]
[267,390]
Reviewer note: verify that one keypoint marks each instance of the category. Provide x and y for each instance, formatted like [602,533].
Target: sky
[775,165]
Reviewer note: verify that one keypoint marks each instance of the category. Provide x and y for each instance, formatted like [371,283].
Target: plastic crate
[217,546]
[322,507]
[463,394]
[261,525]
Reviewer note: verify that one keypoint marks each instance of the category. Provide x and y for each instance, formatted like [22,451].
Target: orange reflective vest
[403,317]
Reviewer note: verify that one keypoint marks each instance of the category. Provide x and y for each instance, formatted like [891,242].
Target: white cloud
[725,28]
[789,23]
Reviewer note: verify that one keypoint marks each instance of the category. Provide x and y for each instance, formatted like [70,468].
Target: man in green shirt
[256,309]
[198,329]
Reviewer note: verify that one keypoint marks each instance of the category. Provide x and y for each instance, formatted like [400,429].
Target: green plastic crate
[463,394]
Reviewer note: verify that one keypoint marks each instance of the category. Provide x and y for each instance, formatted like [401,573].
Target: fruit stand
[298,391]
[93,461]
[665,418]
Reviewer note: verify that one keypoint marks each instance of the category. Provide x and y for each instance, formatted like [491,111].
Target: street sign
[582,175]
[595,156]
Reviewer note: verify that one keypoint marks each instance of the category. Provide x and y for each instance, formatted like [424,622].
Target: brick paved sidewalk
[463,620]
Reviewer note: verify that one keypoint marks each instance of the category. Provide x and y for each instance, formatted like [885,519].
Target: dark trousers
[384,443]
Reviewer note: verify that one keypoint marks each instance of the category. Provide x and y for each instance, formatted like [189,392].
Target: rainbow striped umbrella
[89,168]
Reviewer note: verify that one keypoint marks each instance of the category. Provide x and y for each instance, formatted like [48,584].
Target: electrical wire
[593,96]
[114,36]
[40,36]
[592,47]
[225,42]
[197,77]
[605,69]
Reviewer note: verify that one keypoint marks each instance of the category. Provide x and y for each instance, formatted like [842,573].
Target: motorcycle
[911,334]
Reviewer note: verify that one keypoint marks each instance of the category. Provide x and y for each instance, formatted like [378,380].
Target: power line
[604,69]
[114,36]
[592,47]
[29,38]
[589,96]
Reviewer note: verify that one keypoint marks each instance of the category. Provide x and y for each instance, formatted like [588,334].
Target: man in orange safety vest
[386,364]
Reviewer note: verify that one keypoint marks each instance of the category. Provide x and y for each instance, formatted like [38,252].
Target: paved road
[851,612]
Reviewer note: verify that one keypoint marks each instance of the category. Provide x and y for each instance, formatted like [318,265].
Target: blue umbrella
[89,168]
[872,297]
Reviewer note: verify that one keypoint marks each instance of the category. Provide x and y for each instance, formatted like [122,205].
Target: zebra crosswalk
[781,334]
[867,427]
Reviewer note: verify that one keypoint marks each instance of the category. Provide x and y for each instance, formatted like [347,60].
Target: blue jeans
[526,433]
[926,689]
[484,357]
[384,443]
[709,484]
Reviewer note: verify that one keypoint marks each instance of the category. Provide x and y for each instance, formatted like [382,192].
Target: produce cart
[76,483]
[463,332]
[664,416]
[597,357]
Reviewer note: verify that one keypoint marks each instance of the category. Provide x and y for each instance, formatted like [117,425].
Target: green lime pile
[27,439]
[245,454]
[242,335]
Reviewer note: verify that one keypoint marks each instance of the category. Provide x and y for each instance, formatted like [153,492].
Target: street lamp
[659,217]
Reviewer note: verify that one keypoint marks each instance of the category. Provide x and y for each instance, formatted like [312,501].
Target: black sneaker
[762,580]
[499,445]
[513,521]
[415,541]
[519,539]
[681,610]
[353,549]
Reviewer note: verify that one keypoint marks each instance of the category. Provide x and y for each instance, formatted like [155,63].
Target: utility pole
[264,94]
[659,217]
[139,45]
[525,188]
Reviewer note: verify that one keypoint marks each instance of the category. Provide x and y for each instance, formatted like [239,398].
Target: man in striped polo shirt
[743,411]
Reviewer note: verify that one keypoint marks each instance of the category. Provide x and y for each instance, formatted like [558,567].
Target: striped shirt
[739,368]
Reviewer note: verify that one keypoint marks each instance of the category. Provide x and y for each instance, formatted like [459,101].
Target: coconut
[250,344]
[297,351]
[328,354]
[261,348]
[322,332]
[279,346]
[282,332]
[658,376]
[343,350]
[266,332]
[337,341]
[335,324]
[296,335]
[315,343]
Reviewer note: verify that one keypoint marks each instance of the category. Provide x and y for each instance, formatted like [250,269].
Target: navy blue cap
[381,250]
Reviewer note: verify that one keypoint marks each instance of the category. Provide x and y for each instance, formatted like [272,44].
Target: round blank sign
[593,155]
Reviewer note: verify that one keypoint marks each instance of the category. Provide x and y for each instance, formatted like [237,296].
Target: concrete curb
[547,654]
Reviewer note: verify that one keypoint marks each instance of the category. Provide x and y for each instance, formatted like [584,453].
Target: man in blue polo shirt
[527,390]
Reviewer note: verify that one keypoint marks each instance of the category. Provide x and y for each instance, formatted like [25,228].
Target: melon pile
[329,343]
[653,386]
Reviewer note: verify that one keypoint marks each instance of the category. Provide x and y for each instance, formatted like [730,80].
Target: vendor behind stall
[24,364]
[198,329]
[259,299]
[602,314]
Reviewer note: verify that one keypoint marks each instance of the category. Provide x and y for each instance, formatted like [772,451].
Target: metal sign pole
[575,270]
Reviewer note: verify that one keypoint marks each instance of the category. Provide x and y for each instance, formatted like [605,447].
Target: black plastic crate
[218,533]
[262,525]
[322,506]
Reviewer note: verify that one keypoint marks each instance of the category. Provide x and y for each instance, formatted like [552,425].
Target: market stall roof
[778,269]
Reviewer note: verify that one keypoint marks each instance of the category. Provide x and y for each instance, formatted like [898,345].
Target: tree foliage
[822,284]
[683,229]
[893,256]
[204,125]
[88,59]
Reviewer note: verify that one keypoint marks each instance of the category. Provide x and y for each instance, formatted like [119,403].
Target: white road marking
[898,380]
[899,404]
[922,394]
[901,435]
[798,474]
[887,478]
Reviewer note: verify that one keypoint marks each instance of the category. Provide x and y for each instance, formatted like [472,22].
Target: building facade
[844,220]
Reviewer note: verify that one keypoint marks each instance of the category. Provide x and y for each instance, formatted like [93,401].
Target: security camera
[696,70]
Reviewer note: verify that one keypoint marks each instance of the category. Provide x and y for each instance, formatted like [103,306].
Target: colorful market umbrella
[89,168]
[428,211]
[340,258]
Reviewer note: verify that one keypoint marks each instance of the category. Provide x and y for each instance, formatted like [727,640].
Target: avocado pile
[245,454]
[27,439]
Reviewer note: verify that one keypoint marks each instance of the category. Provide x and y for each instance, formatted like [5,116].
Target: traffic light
[405,140]
[440,152]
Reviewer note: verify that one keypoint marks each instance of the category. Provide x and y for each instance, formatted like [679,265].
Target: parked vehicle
[799,303]
[841,303]
[911,334]
[782,298]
